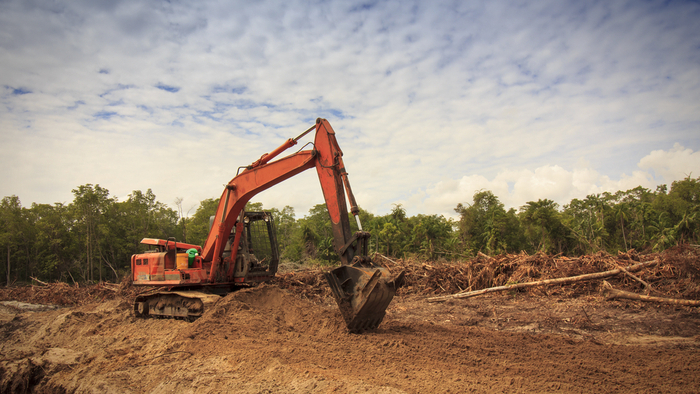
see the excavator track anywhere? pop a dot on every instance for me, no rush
(187, 305)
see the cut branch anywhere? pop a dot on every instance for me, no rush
(384, 257)
(635, 277)
(40, 282)
(116, 275)
(612, 293)
(485, 256)
(111, 287)
(546, 282)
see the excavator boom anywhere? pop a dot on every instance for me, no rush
(362, 289)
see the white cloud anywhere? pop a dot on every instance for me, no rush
(517, 187)
(431, 101)
(676, 163)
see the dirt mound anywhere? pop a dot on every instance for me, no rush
(269, 308)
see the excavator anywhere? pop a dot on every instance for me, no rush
(241, 247)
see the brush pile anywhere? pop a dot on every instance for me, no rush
(677, 275)
(61, 293)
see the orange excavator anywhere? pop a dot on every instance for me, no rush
(241, 247)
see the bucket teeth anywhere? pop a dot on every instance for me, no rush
(363, 294)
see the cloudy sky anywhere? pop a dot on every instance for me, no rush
(431, 101)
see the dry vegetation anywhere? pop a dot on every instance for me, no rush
(677, 274)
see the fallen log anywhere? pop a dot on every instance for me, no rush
(111, 286)
(40, 282)
(546, 282)
(612, 293)
(635, 277)
(487, 257)
(384, 257)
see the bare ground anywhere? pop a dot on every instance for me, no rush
(289, 337)
(267, 339)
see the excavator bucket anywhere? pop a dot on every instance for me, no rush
(363, 294)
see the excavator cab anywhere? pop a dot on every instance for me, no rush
(258, 255)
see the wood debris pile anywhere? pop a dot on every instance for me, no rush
(309, 284)
(676, 275)
(61, 293)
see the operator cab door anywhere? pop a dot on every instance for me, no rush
(258, 254)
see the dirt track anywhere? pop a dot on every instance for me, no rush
(266, 339)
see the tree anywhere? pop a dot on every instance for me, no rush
(182, 218)
(544, 227)
(89, 203)
(126, 223)
(53, 246)
(398, 213)
(317, 234)
(430, 235)
(676, 212)
(198, 226)
(287, 228)
(621, 212)
(684, 208)
(585, 219)
(486, 226)
(389, 233)
(11, 225)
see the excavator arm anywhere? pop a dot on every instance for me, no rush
(362, 289)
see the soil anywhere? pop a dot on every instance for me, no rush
(277, 338)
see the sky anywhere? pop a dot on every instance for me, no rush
(431, 101)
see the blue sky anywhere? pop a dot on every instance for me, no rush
(431, 101)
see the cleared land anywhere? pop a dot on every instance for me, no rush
(288, 336)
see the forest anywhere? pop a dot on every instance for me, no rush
(92, 238)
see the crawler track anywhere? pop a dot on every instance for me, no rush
(188, 305)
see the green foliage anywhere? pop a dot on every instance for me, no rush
(287, 230)
(89, 205)
(93, 237)
(316, 235)
(198, 225)
(90, 239)
(544, 228)
(397, 235)
(140, 216)
(53, 247)
(390, 234)
(429, 236)
(14, 237)
(485, 226)
(674, 216)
